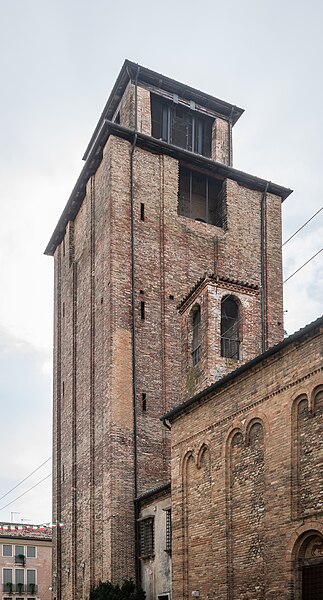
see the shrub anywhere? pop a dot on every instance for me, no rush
(107, 591)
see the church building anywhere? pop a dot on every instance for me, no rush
(168, 277)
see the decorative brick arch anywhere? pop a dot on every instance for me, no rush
(295, 451)
(198, 514)
(188, 456)
(297, 545)
(203, 449)
(260, 417)
(245, 486)
(316, 396)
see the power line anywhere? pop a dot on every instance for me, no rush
(300, 228)
(30, 474)
(26, 492)
(299, 268)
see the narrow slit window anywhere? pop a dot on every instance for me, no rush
(230, 329)
(142, 310)
(144, 402)
(142, 211)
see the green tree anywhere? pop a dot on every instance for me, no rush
(107, 591)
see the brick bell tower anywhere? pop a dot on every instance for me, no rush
(168, 274)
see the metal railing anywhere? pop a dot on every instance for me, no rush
(20, 588)
(230, 347)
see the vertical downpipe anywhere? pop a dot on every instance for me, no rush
(74, 448)
(263, 269)
(133, 307)
(230, 137)
(58, 474)
(92, 380)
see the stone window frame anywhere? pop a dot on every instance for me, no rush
(226, 350)
(195, 326)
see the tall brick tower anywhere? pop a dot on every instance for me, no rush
(168, 274)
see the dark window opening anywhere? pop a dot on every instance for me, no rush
(147, 537)
(142, 310)
(144, 402)
(230, 341)
(168, 545)
(142, 211)
(181, 126)
(196, 340)
(200, 197)
(171, 297)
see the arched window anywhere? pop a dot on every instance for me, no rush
(196, 340)
(230, 328)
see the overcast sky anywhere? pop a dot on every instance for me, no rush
(59, 60)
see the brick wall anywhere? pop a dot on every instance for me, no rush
(257, 496)
(94, 484)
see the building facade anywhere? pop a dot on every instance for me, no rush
(247, 479)
(25, 562)
(168, 275)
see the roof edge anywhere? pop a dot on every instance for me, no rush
(154, 492)
(181, 408)
(128, 72)
(158, 146)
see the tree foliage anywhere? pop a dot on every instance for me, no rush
(107, 591)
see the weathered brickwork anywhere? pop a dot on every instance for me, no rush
(308, 429)
(221, 141)
(108, 448)
(255, 505)
(212, 365)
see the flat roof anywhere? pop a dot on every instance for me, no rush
(194, 400)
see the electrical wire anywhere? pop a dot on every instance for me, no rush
(30, 474)
(26, 492)
(301, 267)
(300, 228)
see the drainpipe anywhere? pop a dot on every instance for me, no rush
(230, 137)
(134, 361)
(166, 424)
(263, 269)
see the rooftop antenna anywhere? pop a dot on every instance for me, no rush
(12, 514)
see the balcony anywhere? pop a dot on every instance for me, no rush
(20, 559)
(20, 588)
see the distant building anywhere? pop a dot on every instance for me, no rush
(25, 562)
(247, 479)
(168, 275)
